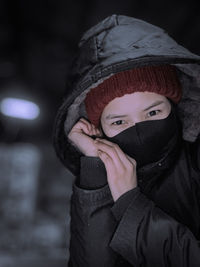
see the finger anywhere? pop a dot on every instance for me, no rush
(80, 127)
(97, 132)
(105, 141)
(89, 126)
(92, 128)
(84, 120)
(110, 150)
(119, 151)
(108, 162)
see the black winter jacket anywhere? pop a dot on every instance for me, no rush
(157, 223)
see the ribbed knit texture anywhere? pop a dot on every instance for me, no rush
(161, 79)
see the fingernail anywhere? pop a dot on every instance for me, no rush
(99, 152)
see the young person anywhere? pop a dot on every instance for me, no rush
(128, 130)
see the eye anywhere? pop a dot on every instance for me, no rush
(153, 113)
(119, 122)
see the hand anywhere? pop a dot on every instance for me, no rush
(80, 136)
(120, 168)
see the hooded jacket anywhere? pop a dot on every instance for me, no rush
(157, 223)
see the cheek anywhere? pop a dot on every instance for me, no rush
(110, 132)
(166, 111)
(168, 108)
(106, 129)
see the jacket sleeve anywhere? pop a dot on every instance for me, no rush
(92, 221)
(146, 236)
(133, 231)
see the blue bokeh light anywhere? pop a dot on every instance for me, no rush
(19, 108)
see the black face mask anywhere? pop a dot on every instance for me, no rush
(148, 141)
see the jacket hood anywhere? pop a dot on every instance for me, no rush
(116, 44)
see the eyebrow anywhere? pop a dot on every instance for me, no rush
(114, 116)
(154, 105)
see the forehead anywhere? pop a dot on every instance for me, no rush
(133, 102)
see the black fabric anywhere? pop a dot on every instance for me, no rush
(92, 173)
(147, 141)
(149, 226)
(159, 224)
(116, 44)
(123, 202)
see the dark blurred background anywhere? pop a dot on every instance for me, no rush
(38, 40)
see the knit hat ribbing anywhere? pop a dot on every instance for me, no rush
(161, 79)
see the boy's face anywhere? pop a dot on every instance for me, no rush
(124, 112)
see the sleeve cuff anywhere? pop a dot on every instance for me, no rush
(92, 173)
(123, 202)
